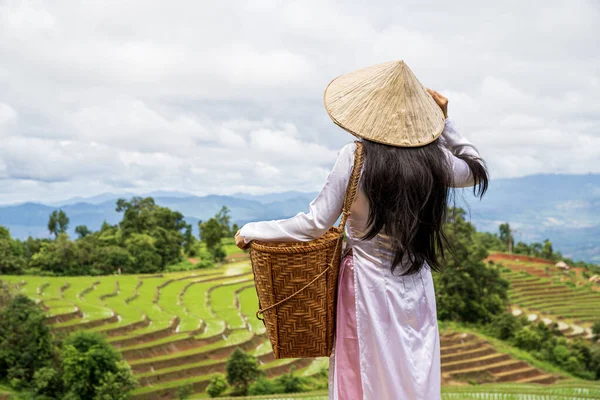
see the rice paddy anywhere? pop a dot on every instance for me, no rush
(177, 329)
(545, 293)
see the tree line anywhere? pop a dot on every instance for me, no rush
(504, 241)
(148, 239)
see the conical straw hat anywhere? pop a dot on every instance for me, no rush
(385, 103)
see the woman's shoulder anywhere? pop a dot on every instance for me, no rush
(345, 158)
(347, 150)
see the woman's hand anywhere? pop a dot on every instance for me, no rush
(240, 242)
(440, 100)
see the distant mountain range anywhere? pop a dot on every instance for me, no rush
(562, 208)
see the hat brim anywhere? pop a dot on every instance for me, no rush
(426, 118)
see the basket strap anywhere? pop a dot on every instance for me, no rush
(348, 200)
(352, 183)
(261, 310)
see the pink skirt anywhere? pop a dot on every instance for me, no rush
(345, 360)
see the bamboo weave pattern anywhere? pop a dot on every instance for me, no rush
(296, 285)
(385, 103)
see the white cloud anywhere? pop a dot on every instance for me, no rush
(220, 97)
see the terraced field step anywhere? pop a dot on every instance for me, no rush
(194, 369)
(199, 383)
(180, 328)
(169, 345)
(466, 357)
(486, 361)
(543, 294)
(243, 339)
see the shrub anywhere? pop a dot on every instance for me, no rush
(561, 354)
(263, 386)
(217, 385)
(219, 253)
(26, 343)
(202, 264)
(528, 339)
(242, 369)
(47, 382)
(585, 274)
(115, 385)
(183, 392)
(596, 330)
(92, 369)
(504, 326)
(291, 383)
(594, 364)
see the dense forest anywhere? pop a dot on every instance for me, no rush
(150, 238)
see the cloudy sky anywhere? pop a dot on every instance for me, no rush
(226, 96)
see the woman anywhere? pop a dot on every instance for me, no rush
(387, 340)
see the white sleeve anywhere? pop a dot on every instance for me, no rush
(457, 145)
(324, 210)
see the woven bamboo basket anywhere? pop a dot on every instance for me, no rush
(296, 285)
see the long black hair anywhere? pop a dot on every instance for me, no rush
(408, 191)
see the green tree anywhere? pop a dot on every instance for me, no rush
(504, 326)
(82, 231)
(143, 250)
(290, 382)
(466, 289)
(105, 259)
(529, 339)
(211, 233)
(223, 219)
(116, 385)
(188, 240)
(143, 217)
(26, 344)
(263, 386)
(594, 364)
(596, 330)
(242, 369)
(59, 257)
(105, 226)
(12, 254)
(185, 391)
(47, 383)
(214, 230)
(137, 215)
(58, 222)
(92, 369)
(522, 248)
(33, 246)
(217, 385)
(547, 251)
(536, 249)
(490, 241)
(506, 235)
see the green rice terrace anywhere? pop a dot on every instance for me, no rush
(178, 329)
(550, 294)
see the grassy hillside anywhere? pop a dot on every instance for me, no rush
(544, 292)
(179, 328)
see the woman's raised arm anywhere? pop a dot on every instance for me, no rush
(458, 150)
